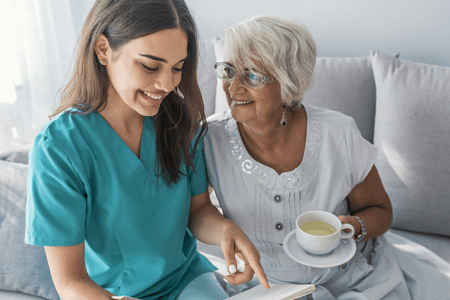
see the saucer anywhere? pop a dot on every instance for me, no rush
(342, 254)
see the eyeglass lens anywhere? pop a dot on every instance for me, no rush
(248, 78)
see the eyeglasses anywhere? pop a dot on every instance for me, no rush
(249, 79)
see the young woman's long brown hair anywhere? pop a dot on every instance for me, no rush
(178, 121)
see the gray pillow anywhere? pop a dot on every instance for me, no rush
(23, 268)
(412, 134)
(18, 155)
(345, 85)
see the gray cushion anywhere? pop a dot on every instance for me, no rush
(439, 244)
(4, 295)
(18, 155)
(205, 74)
(345, 85)
(412, 134)
(23, 268)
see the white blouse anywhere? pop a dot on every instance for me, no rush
(265, 205)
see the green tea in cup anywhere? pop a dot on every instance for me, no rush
(318, 228)
(320, 232)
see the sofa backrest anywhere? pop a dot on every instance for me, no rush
(345, 85)
(23, 267)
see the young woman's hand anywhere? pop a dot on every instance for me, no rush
(209, 226)
(235, 242)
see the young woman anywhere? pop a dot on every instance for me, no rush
(117, 176)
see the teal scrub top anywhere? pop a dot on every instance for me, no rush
(85, 184)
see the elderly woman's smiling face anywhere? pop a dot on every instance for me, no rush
(252, 105)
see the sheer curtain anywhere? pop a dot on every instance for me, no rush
(38, 39)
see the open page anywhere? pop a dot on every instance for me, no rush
(276, 292)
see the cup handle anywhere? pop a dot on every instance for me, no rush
(349, 234)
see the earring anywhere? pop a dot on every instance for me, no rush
(102, 61)
(283, 118)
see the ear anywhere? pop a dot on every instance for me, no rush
(102, 48)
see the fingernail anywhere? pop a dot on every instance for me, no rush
(269, 286)
(225, 280)
(232, 269)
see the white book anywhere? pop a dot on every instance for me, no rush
(277, 292)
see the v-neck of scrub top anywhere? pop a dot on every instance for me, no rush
(139, 166)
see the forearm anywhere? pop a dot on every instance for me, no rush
(376, 219)
(208, 225)
(83, 289)
(371, 203)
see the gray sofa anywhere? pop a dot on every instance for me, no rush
(400, 106)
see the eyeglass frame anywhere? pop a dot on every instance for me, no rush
(264, 78)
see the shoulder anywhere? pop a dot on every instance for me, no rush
(327, 116)
(331, 123)
(219, 118)
(216, 144)
(216, 122)
(65, 131)
(63, 125)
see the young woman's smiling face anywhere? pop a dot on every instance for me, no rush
(145, 70)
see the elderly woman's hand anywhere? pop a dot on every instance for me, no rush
(235, 242)
(352, 221)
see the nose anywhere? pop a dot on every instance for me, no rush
(235, 86)
(165, 81)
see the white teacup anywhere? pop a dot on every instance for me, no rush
(322, 245)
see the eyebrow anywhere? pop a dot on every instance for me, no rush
(159, 58)
(246, 69)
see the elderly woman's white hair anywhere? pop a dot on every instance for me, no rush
(285, 49)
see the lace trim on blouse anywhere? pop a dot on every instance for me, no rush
(267, 176)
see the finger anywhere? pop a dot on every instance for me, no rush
(253, 260)
(229, 255)
(242, 277)
(345, 219)
(240, 256)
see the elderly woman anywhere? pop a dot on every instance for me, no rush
(271, 158)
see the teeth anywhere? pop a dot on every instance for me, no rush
(242, 102)
(152, 96)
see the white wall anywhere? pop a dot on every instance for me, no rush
(418, 29)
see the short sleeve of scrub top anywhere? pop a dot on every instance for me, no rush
(85, 184)
(57, 216)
